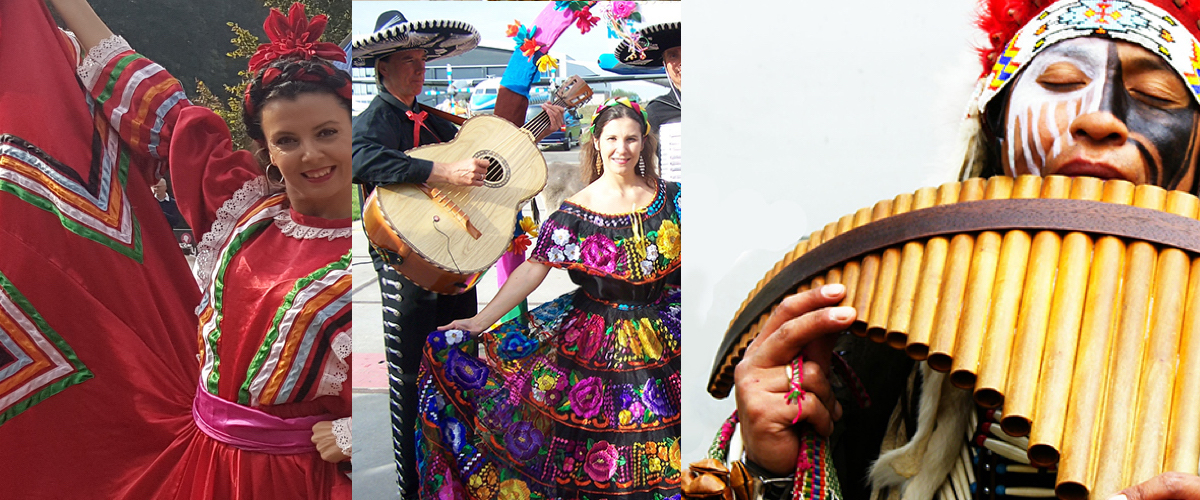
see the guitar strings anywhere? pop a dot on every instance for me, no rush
(449, 252)
(461, 194)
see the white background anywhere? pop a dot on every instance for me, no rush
(798, 113)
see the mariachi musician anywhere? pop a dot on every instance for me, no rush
(663, 49)
(394, 123)
(1122, 108)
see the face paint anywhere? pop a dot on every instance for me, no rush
(1093, 106)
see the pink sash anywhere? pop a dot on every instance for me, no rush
(253, 430)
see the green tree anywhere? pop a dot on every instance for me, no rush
(625, 93)
(245, 43)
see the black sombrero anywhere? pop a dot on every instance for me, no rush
(439, 38)
(654, 40)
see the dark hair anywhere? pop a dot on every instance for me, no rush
(589, 155)
(992, 125)
(294, 77)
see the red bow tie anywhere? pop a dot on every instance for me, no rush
(418, 122)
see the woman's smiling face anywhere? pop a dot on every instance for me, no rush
(308, 139)
(620, 145)
(1103, 108)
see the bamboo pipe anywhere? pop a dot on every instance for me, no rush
(885, 283)
(1114, 467)
(954, 280)
(933, 263)
(900, 315)
(1085, 410)
(1033, 321)
(1062, 336)
(1006, 296)
(868, 274)
(1162, 351)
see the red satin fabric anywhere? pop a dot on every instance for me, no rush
(130, 321)
(194, 459)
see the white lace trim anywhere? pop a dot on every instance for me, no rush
(343, 434)
(337, 370)
(209, 249)
(98, 56)
(299, 231)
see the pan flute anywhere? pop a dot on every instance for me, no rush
(1073, 303)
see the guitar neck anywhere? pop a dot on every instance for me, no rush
(540, 122)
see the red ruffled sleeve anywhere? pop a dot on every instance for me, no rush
(136, 96)
(205, 170)
(150, 112)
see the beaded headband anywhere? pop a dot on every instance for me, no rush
(1020, 29)
(622, 101)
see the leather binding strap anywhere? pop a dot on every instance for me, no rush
(1127, 222)
(452, 118)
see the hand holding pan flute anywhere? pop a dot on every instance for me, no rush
(804, 324)
(1166, 486)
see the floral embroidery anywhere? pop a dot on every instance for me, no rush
(452, 433)
(516, 346)
(601, 461)
(668, 240)
(620, 246)
(561, 236)
(571, 252)
(451, 491)
(600, 252)
(514, 489)
(648, 336)
(599, 361)
(484, 483)
(586, 397)
(546, 382)
(654, 397)
(523, 440)
(466, 371)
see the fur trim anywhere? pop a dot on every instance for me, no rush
(972, 143)
(920, 467)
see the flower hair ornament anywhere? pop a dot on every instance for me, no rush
(622, 101)
(295, 37)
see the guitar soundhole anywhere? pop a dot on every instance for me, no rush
(497, 172)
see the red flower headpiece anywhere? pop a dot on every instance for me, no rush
(294, 37)
(1001, 19)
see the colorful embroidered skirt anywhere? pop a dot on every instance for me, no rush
(583, 404)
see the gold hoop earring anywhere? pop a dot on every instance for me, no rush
(267, 173)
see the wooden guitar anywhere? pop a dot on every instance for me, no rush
(444, 237)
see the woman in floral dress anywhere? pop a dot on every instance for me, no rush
(584, 401)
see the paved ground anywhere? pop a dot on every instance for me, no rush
(374, 471)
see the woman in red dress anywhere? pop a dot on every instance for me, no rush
(272, 263)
